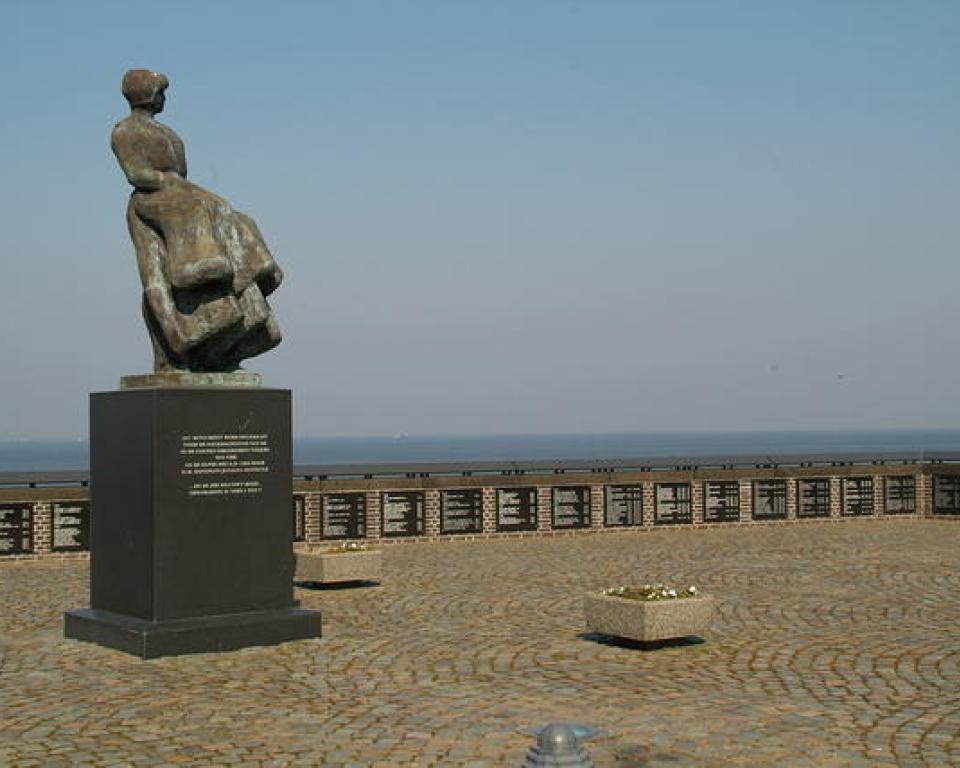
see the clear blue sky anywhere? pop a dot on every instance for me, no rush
(511, 216)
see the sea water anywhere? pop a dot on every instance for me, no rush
(26, 455)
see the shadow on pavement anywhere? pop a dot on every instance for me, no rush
(641, 645)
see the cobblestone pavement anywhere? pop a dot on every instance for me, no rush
(834, 645)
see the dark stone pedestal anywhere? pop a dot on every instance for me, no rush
(191, 533)
(208, 634)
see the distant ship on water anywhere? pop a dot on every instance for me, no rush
(26, 455)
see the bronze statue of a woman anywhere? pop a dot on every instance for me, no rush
(205, 268)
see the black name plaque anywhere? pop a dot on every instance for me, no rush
(344, 516)
(900, 495)
(946, 494)
(299, 517)
(71, 526)
(673, 504)
(857, 496)
(516, 509)
(571, 507)
(624, 505)
(813, 497)
(461, 511)
(769, 499)
(721, 501)
(16, 529)
(402, 513)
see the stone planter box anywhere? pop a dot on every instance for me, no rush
(336, 566)
(647, 621)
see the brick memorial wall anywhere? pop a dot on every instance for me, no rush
(55, 522)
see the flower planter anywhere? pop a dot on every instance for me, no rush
(335, 566)
(647, 621)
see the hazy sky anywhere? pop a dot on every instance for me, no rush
(511, 216)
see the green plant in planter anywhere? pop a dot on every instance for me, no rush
(347, 547)
(652, 592)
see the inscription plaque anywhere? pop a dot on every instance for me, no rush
(16, 529)
(721, 501)
(900, 495)
(571, 507)
(673, 504)
(402, 513)
(623, 505)
(946, 494)
(71, 526)
(344, 516)
(813, 497)
(769, 499)
(857, 496)
(218, 465)
(461, 511)
(516, 509)
(299, 517)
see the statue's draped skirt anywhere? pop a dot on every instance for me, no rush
(204, 239)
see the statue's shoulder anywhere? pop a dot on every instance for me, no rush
(122, 130)
(132, 136)
(131, 126)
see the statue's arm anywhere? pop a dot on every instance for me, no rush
(135, 166)
(181, 154)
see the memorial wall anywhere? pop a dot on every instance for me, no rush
(55, 521)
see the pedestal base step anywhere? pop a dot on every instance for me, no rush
(207, 634)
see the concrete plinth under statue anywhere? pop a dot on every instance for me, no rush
(191, 532)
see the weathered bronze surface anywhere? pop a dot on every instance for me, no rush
(205, 268)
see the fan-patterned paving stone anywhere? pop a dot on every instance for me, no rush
(833, 645)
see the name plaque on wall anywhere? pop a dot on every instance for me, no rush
(402, 513)
(673, 504)
(858, 496)
(721, 501)
(769, 499)
(461, 511)
(946, 494)
(624, 505)
(516, 509)
(571, 507)
(16, 530)
(900, 495)
(299, 517)
(344, 516)
(813, 498)
(71, 526)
